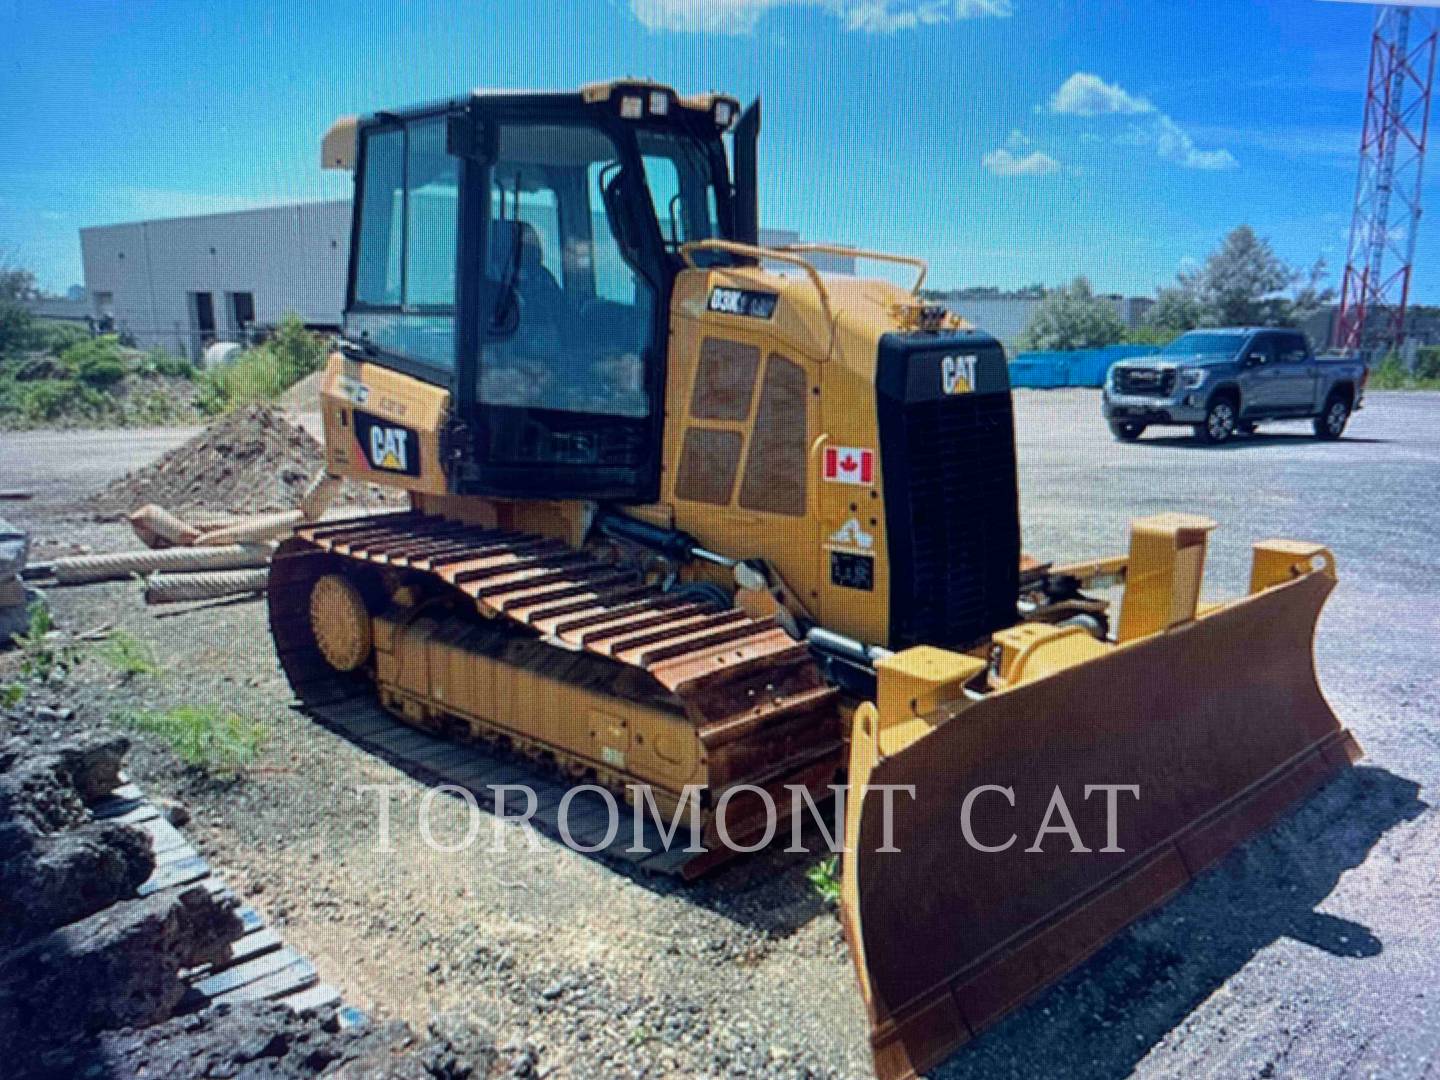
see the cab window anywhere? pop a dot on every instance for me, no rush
(1261, 347)
(1291, 349)
(677, 172)
(571, 317)
(404, 287)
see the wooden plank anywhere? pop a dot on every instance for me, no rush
(242, 974)
(254, 945)
(289, 980)
(163, 835)
(183, 872)
(173, 855)
(321, 996)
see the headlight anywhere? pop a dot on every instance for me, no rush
(1191, 379)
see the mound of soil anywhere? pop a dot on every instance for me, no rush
(304, 396)
(250, 461)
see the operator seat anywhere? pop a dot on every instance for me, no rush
(544, 309)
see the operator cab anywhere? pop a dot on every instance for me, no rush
(519, 250)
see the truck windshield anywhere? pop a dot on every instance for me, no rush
(1203, 345)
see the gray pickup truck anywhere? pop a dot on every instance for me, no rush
(1225, 381)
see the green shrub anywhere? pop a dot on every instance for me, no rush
(160, 362)
(824, 878)
(45, 654)
(96, 361)
(264, 372)
(56, 337)
(54, 399)
(1427, 363)
(205, 736)
(297, 351)
(129, 656)
(1149, 335)
(1391, 373)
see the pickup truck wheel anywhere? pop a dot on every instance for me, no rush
(1219, 423)
(1126, 430)
(1330, 424)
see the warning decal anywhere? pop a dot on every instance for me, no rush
(849, 465)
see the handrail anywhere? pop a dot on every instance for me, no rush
(920, 265)
(776, 254)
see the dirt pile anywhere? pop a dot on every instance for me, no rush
(250, 461)
(304, 396)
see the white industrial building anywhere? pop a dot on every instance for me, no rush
(180, 284)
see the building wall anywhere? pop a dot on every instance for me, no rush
(1006, 316)
(144, 275)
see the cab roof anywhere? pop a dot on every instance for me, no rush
(338, 145)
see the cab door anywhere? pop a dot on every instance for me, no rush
(573, 287)
(1294, 380)
(1259, 388)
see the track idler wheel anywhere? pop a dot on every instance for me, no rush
(340, 622)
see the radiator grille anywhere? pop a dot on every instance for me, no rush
(1145, 381)
(955, 575)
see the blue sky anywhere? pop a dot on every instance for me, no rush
(1007, 141)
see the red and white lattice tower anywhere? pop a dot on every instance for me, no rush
(1376, 286)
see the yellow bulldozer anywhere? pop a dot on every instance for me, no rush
(688, 513)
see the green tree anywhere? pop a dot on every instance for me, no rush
(17, 286)
(1243, 283)
(1176, 310)
(1073, 317)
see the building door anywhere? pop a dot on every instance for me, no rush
(202, 306)
(242, 312)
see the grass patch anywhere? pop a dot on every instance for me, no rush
(1392, 374)
(824, 878)
(44, 654)
(93, 382)
(205, 736)
(129, 656)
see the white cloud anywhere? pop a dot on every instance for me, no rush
(701, 16)
(868, 16)
(1005, 162)
(1173, 144)
(1017, 140)
(1083, 94)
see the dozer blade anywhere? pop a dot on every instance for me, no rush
(1219, 721)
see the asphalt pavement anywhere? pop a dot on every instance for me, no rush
(1315, 950)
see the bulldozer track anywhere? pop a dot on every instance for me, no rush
(733, 676)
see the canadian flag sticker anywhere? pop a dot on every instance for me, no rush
(849, 465)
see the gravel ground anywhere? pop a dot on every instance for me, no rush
(1309, 953)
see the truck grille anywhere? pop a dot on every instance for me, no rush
(1145, 382)
(951, 512)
